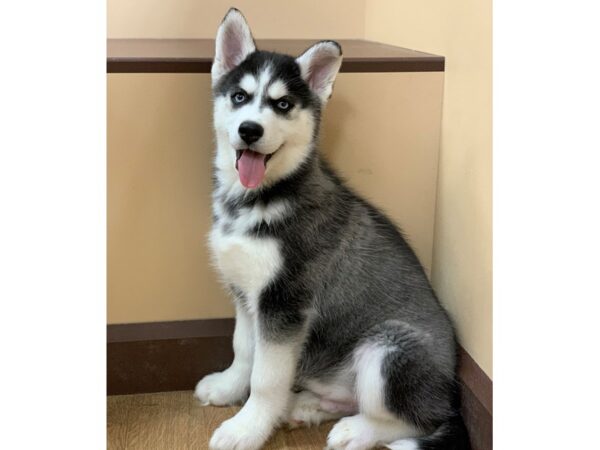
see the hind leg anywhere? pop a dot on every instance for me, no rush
(362, 432)
(375, 424)
(309, 409)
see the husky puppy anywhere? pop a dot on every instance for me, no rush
(335, 317)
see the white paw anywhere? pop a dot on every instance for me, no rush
(222, 388)
(404, 444)
(351, 433)
(307, 411)
(238, 434)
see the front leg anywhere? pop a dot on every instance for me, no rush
(231, 386)
(270, 392)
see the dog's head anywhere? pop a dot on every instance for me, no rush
(267, 105)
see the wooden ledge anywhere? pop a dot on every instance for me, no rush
(195, 55)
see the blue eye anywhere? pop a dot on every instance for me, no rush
(283, 105)
(239, 97)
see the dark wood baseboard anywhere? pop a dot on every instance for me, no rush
(173, 356)
(166, 356)
(477, 401)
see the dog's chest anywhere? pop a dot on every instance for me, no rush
(244, 260)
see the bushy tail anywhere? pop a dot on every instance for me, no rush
(451, 435)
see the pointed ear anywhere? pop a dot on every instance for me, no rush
(233, 43)
(319, 66)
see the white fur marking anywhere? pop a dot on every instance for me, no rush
(231, 386)
(404, 444)
(369, 382)
(375, 425)
(272, 380)
(306, 411)
(249, 83)
(277, 89)
(247, 262)
(361, 433)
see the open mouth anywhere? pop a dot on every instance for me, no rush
(251, 167)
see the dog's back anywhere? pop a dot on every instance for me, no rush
(365, 274)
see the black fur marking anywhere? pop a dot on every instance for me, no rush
(283, 67)
(232, 206)
(272, 103)
(450, 435)
(415, 389)
(349, 277)
(226, 228)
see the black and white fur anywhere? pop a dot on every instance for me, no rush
(335, 317)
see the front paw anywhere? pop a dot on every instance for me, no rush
(222, 388)
(238, 434)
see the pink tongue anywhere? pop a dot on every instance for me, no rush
(251, 168)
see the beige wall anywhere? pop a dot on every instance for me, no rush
(461, 30)
(159, 147)
(159, 167)
(319, 19)
(162, 274)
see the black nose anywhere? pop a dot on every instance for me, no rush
(250, 132)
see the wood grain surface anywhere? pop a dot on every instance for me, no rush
(176, 420)
(195, 55)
